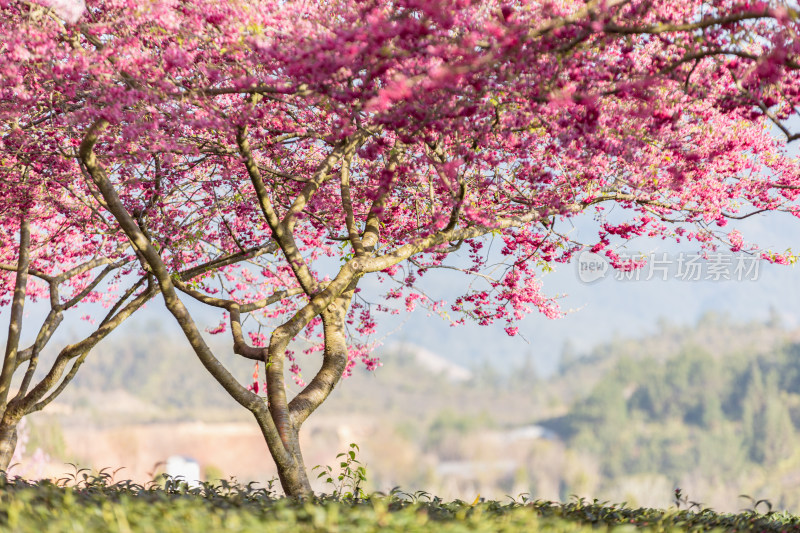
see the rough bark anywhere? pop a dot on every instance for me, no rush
(8, 434)
(288, 458)
(292, 470)
(8, 443)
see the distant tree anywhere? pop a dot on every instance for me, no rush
(766, 421)
(294, 148)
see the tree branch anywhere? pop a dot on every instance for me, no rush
(347, 205)
(372, 230)
(49, 327)
(124, 297)
(50, 324)
(280, 233)
(321, 175)
(31, 271)
(688, 26)
(17, 306)
(333, 363)
(240, 346)
(33, 400)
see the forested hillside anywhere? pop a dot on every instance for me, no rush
(715, 408)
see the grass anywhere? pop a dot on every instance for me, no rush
(84, 503)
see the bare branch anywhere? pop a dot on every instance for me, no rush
(133, 288)
(240, 346)
(91, 286)
(250, 253)
(17, 306)
(33, 400)
(347, 205)
(50, 324)
(49, 327)
(31, 271)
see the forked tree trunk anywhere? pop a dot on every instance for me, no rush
(286, 452)
(293, 475)
(288, 459)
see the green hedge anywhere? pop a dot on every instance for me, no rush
(94, 503)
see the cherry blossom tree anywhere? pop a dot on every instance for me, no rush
(262, 158)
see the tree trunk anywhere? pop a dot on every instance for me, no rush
(287, 457)
(278, 430)
(293, 476)
(8, 443)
